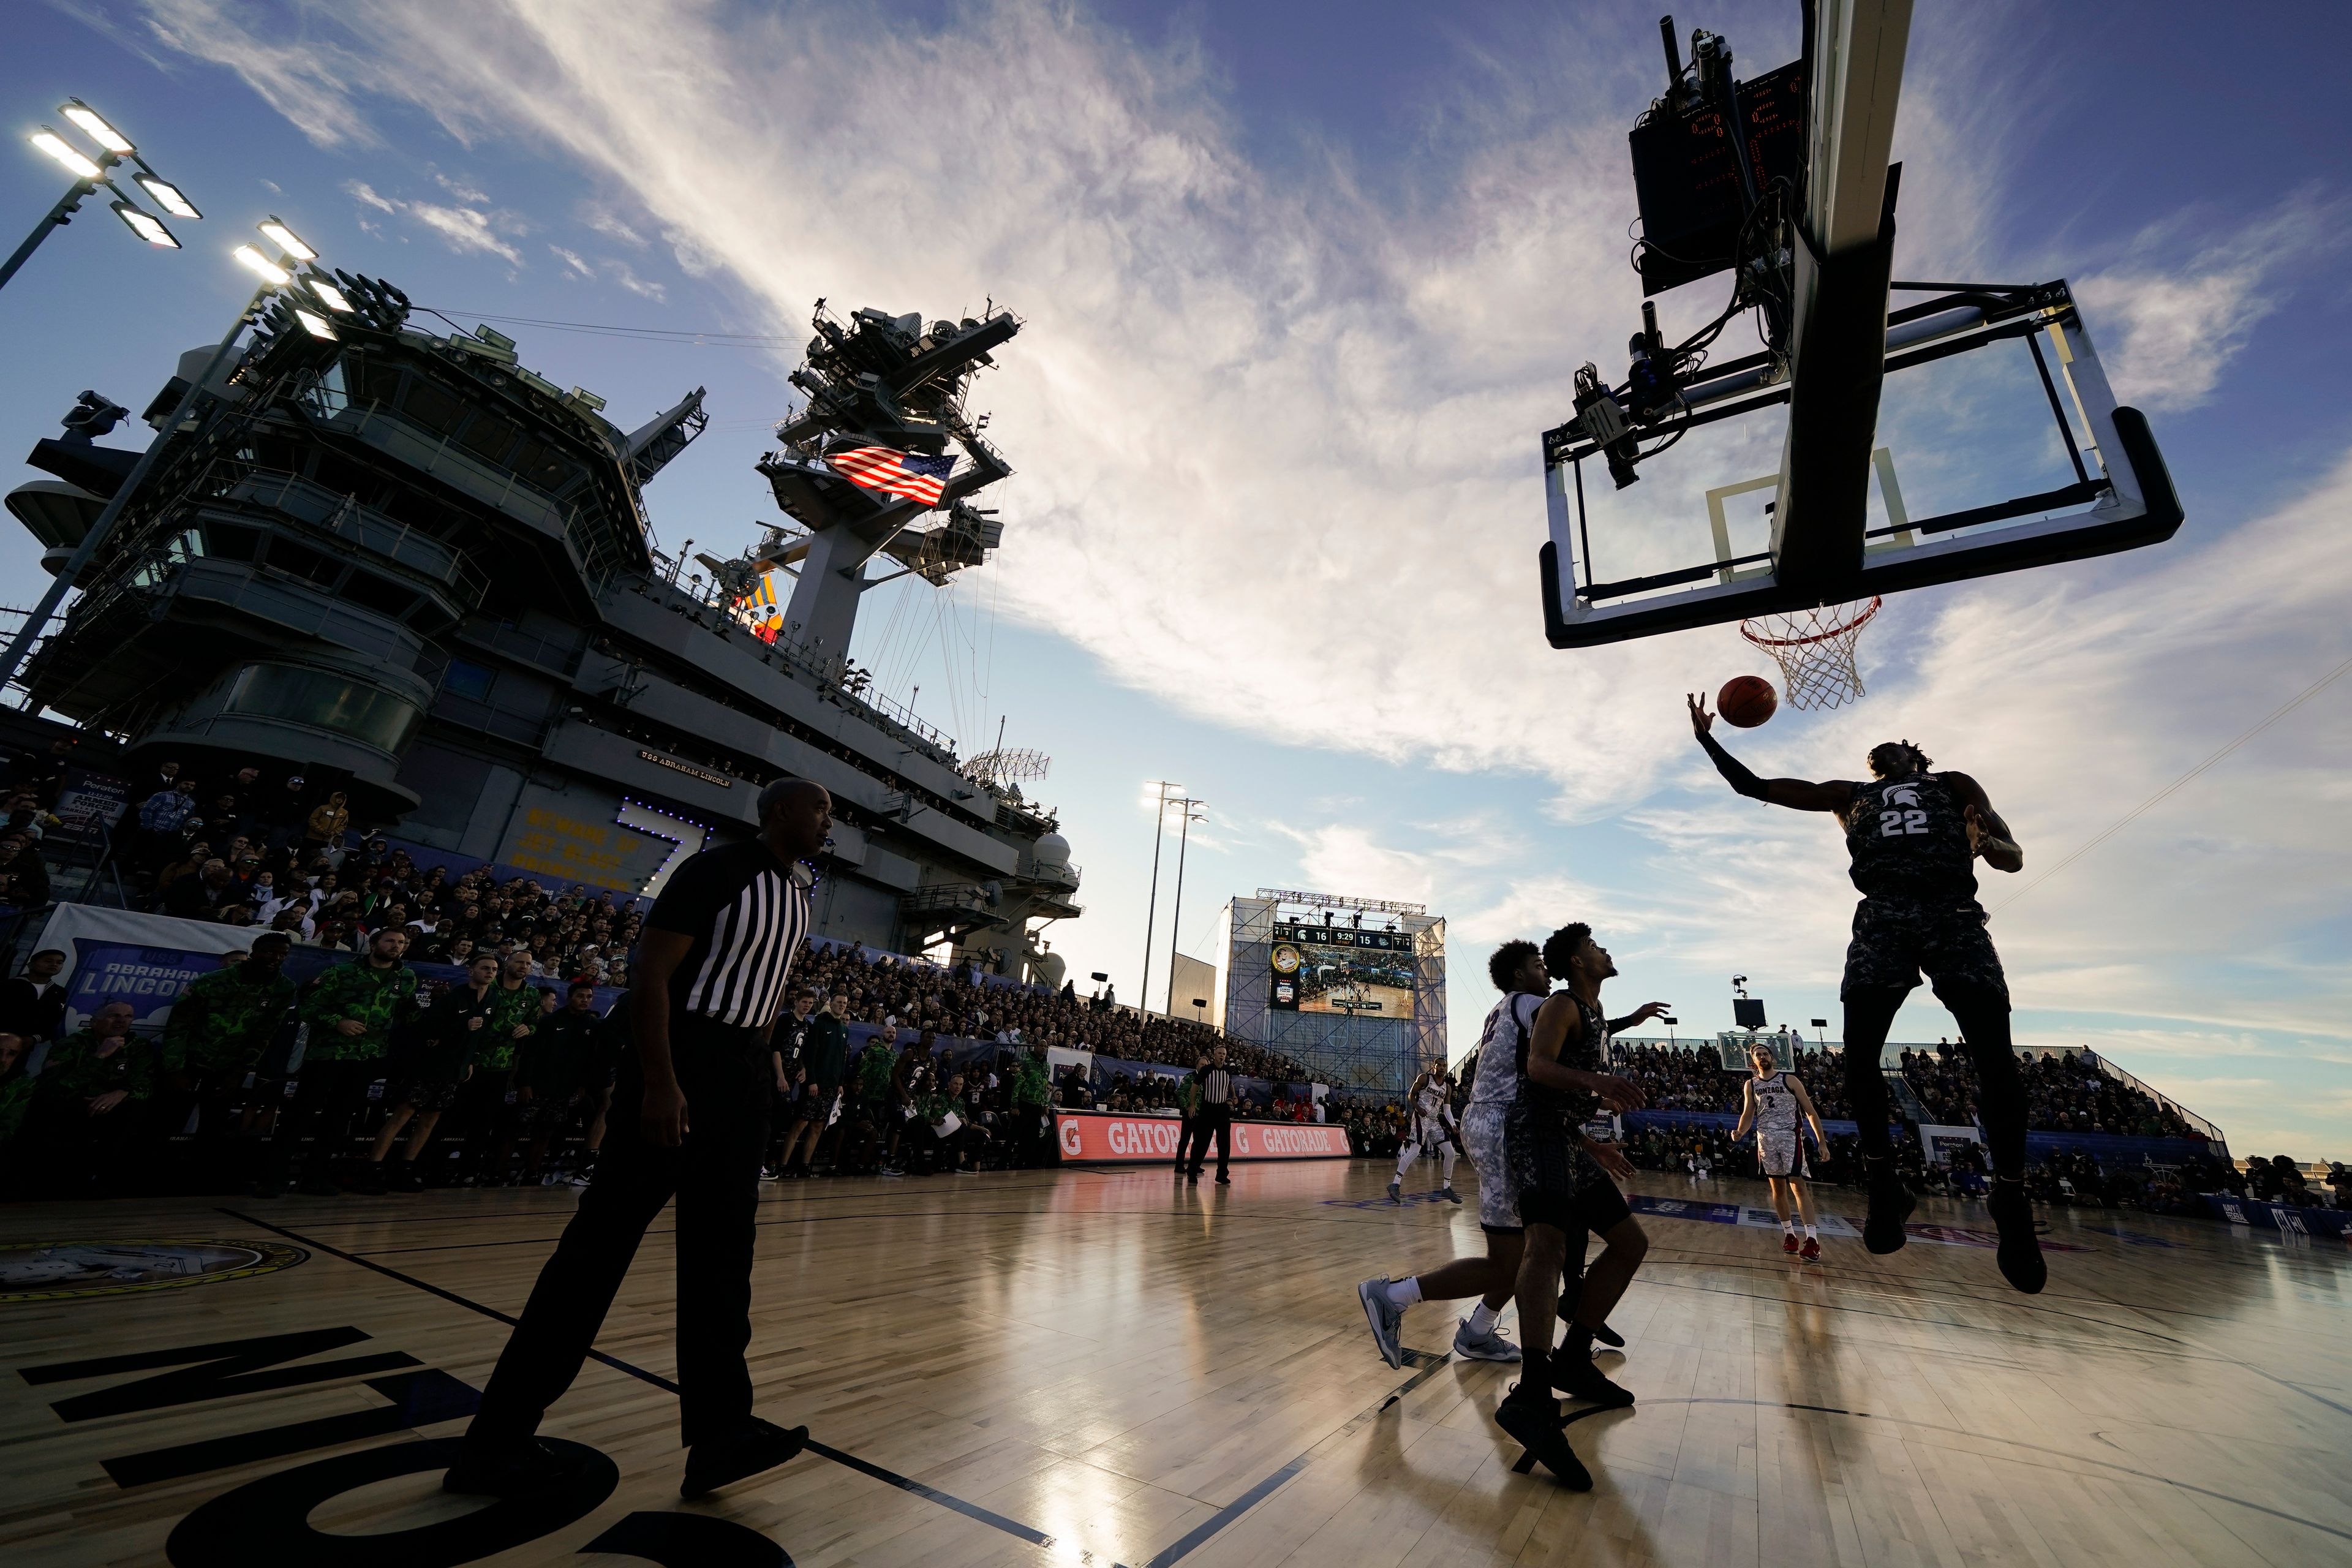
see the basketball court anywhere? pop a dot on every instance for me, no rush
(1107, 1368)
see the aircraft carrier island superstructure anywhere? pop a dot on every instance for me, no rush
(405, 566)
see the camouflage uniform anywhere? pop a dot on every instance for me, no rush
(376, 998)
(75, 1070)
(1560, 1184)
(1909, 843)
(223, 1026)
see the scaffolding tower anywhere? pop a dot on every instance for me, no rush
(1354, 1055)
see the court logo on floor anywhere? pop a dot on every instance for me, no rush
(61, 1270)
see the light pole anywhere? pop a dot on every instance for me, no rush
(1151, 910)
(276, 275)
(90, 174)
(1183, 805)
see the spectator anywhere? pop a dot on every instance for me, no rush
(87, 1103)
(453, 1028)
(204, 896)
(219, 1033)
(350, 1011)
(33, 1003)
(323, 829)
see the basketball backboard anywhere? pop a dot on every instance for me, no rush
(1786, 490)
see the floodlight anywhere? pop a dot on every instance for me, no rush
(94, 126)
(278, 235)
(330, 296)
(317, 326)
(167, 195)
(146, 226)
(64, 152)
(270, 271)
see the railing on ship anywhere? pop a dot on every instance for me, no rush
(714, 611)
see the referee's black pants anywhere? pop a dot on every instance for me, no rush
(727, 1076)
(1217, 1121)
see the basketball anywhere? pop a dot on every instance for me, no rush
(1746, 701)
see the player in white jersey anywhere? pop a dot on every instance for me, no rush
(1516, 969)
(1774, 1103)
(1428, 1128)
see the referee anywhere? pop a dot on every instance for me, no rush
(1215, 1117)
(689, 1119)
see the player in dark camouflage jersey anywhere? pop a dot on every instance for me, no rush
(1914, 837)
(1565, 1190)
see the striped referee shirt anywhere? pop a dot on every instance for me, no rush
(746, 914)
(1217, 1087)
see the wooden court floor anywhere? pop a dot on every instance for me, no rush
(1108, 1368)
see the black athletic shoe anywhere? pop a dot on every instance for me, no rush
(759, 1446)
(510, 1472)
(1580, 1379)
(407, 1179)
(1604, 1333)
(1891, 1203)
(2021, 1251)
(371, 1180)
(1535, 1423)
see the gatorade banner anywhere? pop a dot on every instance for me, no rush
(1089, 1137)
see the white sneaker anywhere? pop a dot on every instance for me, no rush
(1489, 1346)
(1385, 1317)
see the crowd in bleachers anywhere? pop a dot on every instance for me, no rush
(2065, 1092)
(273, 853)
(1691, 1078)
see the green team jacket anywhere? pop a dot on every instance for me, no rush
(1030, 1086)
(1188, 1094)
(377, 998)
(76, 1068)
(496, 1046)
(224, 1023)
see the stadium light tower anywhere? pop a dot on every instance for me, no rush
(92, 173)
(279, 275)
(1184, 805)
(1167, 791)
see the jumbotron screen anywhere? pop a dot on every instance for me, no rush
(1339, 969)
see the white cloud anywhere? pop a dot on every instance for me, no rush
(574, 260)
(645, 287)
(465, 228)
(463, 190)
(2182, 306)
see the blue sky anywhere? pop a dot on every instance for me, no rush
(1302, 284)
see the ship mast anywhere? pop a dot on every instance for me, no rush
(889, 382)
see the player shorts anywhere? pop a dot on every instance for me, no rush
(1499, 1196)
(1559, 1182)
(427, 1095)
(1782, 1157)
(551, 1115)
(1431, 1133)
(1894, 938)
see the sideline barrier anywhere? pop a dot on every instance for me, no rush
(2337, 1223)
(1093, 1137)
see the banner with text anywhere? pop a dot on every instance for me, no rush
(1093, 1136)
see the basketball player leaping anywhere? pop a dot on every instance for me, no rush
(1772, 1103)
(1914, 837)
(1432, 1129)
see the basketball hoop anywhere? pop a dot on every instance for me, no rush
(1815, 649)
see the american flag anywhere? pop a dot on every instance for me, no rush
(909, 475)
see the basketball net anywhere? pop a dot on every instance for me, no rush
(1815, 649)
